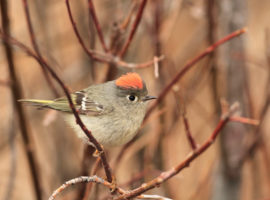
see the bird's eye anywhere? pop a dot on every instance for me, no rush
(132, 97)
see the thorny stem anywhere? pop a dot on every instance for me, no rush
(133, 29)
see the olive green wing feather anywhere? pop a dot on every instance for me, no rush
(82, 103)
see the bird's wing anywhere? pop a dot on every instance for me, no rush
(83, 103)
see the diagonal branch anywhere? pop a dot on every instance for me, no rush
(97, 25)
(104, 57)
(43, 63)
(188, 133)
(17, 94)
(179, 75)
(134, 28)
(35, 46)
(81, 179)
(190, 64)
(192, 156)
(90, 53)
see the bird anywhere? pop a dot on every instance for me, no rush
(113, 111)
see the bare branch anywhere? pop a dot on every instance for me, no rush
(134, 28)
(191, 63)
(35, 46)
(179, 75)
(188, 133)
(81, 179)
(192, 156)
(104, 57)
(43, 63)
(97, 25)
(89, 185)
(17, 94)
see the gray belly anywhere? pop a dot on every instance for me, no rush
(108, 132)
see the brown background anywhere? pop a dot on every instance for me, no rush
(163, 144)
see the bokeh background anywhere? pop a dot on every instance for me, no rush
(236, 166)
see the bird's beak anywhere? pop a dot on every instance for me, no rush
(147, 98)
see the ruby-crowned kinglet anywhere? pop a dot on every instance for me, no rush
(112, 111)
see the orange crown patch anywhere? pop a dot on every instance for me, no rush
(130, 80)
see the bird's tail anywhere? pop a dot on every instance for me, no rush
(38, 103)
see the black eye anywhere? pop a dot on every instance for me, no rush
(131, 97)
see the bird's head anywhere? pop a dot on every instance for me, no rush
(132, 89)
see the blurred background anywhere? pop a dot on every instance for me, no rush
(236, 166)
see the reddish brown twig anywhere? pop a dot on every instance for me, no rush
(98, 180)
(35, 46)
(90, 53)
(244, 120)
(89, 185)
(180, 74)
(81, 179)
(191, 63)
(141, 65)
(133, 29)
(43, 63)
(104, 57)
(125, 22)
(175, 170)
(17, 94)
(97, 25)
(188, 133)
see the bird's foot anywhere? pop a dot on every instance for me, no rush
(97, 153)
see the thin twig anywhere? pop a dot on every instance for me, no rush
(90, 53)
(43, 63)
(17, 94)
(98, 180)
(13, 158)
(90, 185)
(244, 120)
(87, 162)
(133, 29)
(97, 25)
(192, 156)
(125, 22)
(191, 63)
(103, 57)
(179, 75)
(188, 133)
(141, 65)
(35, 45)
(81, 179)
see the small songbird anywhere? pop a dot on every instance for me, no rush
(112, 111)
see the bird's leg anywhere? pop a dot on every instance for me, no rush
(113, 185)
(97, 152)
